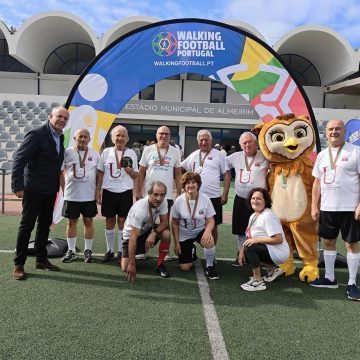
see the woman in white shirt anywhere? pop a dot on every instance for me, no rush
(266, 245)
(193, 221)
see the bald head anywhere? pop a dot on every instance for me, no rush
(335, 133)
(163, 136)
(82, 139)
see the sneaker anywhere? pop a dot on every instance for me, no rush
(353, 292)
(254, 285)
(161, 270)
(141, 256)
(69, 257)
(108, 256)
(273, 274)
(211, 273)
(323, 282)
(46, 265)
(119, 257)
(168, 258)
(236, 262)
(88, 258)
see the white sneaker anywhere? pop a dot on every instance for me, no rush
(142, 256)
(273, 274)
(254, 285)
(168, 258)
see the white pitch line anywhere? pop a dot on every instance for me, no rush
(217, 343)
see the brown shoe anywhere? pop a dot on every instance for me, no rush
(19, 273)
(46, 265)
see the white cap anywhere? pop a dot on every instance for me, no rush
(217, 145)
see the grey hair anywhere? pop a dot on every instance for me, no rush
(119, 127)
(247, 133)
(203, 132)
(156, 183)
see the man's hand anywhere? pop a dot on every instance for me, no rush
(98, 197)
(224, 199)
(357, 213)
(177, 249)
(207, 240)
(19, 194)
(150, 241)
(315, 213)
(131, 272)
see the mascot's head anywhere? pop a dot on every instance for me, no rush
(286, 138)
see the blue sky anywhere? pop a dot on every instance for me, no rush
(273, 18)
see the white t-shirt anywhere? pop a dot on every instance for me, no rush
(267, 224)
(254, 176)
(80, 183)
(191, 224)
(214, 165)
(116, 180)
(340, 188)
(139, 217)
(155, 171)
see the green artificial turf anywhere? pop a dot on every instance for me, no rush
(90, 311)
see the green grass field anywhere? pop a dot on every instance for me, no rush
(90, 311)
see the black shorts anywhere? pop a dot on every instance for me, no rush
(218, 209)
(73, 209)
(240, 216)
(331, 222)
(140, 244)
(116, 203)
(186, 247)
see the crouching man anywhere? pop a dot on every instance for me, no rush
(146, 225)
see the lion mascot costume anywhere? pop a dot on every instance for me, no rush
(286, 142)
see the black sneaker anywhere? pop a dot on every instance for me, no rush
(88, 258)
(108, 256)
(211, 273)
(161, 270)
(69, 257)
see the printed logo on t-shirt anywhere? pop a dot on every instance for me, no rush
(201, 212)
(90, 158)
(345, 158)
(257, 164)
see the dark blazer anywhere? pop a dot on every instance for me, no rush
(37, 164)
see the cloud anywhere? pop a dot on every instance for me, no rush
(272, 18)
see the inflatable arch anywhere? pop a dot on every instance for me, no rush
(154, 52)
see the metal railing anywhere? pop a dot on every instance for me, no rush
(3, 173)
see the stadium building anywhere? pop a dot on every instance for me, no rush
(41, 61)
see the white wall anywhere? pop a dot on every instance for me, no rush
(315, 95)
(168, 90)
(197, 91)
(18, 83)
(339, 101)
(55, 85)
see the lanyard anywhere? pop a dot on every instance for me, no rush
(82, 161)
(192, 215)
(151, 217)
(331, 159)
(201, 161)
(247, 165)
(118, 162)
(248, 230)
(162, 157)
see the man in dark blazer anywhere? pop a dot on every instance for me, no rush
(35, 178)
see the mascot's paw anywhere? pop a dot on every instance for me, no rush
(288, 267)
(309, 273)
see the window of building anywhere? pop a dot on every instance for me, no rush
(147, 93)
(302, 69)
(9, 63)
(218, 92)
(69, 59)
